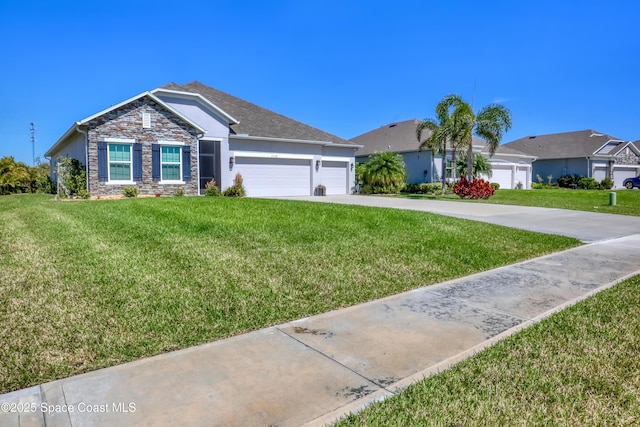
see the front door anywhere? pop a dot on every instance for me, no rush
(208, 168)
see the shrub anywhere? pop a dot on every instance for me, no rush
(130, 191)
(83, 194)
(587, 184)
(211, 189)
(179, 192)
(495, 185)
(606, 184)
(424, 188)
(476, 189)
(384, 173)
(234, 191)
(569, 181)
(237, 189)
(71, 177)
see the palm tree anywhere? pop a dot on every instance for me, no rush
(385, 172)
(451, 126)
(481, 166)
(489, 124)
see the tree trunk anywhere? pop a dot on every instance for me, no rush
(444, 172)
(470, 162)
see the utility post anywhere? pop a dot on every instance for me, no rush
(33, 142)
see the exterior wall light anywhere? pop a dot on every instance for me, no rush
(351, 166)
(317, 165)
(232, 161)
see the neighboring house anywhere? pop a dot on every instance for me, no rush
(510, 167)
(184, 136)
(586, 153)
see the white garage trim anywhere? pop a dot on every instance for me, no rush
(264, 155)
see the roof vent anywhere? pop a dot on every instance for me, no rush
(393, 125)
(146, 120)
(532, 137)
(596, 134)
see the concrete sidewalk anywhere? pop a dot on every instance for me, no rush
(314, 370)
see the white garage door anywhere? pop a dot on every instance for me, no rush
(599, 173)
(521, 176)
(502, 176)
(619, 175)
(274, 177)
(334, 176)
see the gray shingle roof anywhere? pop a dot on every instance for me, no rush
(562, 145)
(255, 120)
(401, 137)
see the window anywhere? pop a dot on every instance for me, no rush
(170, 161)
(449, 168)
(120, 162)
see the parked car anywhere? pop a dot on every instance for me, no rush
(632, 182)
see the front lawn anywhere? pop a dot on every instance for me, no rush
(89, 284)
(627, 203)
(577, 367)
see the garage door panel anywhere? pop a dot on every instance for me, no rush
(599, 173)
(334, 177)
(521, 176)
(619, 175)
(275, 176)
(502, 176)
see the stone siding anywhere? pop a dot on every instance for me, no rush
(627, 157)
(126, 122)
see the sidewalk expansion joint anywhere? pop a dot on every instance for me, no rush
(382, 387)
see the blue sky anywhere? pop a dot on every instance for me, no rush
(345, 67)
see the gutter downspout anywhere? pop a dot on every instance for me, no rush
(86, 154)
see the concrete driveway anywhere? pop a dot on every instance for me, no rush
(585, 226)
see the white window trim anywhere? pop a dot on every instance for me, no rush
(121, 141)
(172, 144)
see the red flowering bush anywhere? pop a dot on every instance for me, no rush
(476, 189)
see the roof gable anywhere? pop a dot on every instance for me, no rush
(254, 120)
(401, 137)
(74, 127)
(576, 144)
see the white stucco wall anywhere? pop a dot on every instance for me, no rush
(74, 148)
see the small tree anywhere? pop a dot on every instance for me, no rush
(384, 173)
(237, 189)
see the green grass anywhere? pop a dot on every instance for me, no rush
(89, 284)
(577, 367)
(627, 203)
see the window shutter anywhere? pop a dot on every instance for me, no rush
(137, 162)
(186, 163)
(103, 164)
(155, 162)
